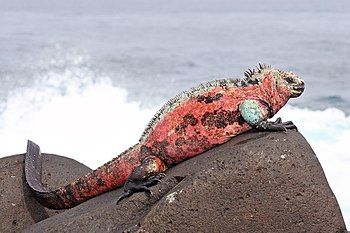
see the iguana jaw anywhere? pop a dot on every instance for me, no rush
(297, 90)
(296, 87)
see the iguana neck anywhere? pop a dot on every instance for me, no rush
(276, 96)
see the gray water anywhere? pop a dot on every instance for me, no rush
(154, 49)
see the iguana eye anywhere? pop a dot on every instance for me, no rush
(253, 81)
(289, 80)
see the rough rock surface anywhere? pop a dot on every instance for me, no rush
(18, 209)
(257, 182)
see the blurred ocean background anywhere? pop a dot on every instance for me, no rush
(82, 78)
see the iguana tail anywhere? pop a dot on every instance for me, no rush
(107, 177)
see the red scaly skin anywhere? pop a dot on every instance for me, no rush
(200, 122)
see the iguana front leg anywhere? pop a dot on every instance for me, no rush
(144, 176)
(277, 125)
(256, 113)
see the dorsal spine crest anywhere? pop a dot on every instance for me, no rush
(185, 95)
(252, 75)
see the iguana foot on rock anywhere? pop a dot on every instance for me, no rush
(135, 186)
(276, 125)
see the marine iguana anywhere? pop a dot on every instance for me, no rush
(187, 125)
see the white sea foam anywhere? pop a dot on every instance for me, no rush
(92, 122)
(67, 113)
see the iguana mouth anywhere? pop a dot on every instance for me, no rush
(297, 90)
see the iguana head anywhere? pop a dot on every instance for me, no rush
(290, 81)
(285, 82)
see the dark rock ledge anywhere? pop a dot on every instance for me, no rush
(257, 182)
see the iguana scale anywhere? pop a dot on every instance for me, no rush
(187, 125)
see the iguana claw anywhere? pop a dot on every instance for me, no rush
(132, 186)
(276, 125)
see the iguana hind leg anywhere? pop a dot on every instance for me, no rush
(144, 176)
